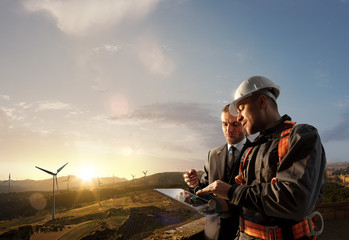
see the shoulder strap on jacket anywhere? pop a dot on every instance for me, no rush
(284, 136)
(284, 143)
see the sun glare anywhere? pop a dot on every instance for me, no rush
(86, 173)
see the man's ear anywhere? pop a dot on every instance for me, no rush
(263, 101)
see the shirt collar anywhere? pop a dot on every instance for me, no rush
(239, 145)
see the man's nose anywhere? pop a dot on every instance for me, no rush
(240, 117)
(230, 127)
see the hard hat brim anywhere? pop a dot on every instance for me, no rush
(232, 106)
(265, 91)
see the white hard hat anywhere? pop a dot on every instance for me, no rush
(251, 86)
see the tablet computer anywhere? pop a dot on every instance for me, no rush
(189, 199)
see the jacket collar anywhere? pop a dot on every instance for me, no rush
(273, 132)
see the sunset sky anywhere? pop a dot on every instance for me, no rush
(117, 87)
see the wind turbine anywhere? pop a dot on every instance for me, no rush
(54, 176)
(67, 180)
(99, 190)
(133, 178)
(145, 172)
(9, 182)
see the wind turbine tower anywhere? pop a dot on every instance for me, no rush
(9, 182)
(54, 176)
(99, 190)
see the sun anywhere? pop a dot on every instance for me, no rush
(86, 173)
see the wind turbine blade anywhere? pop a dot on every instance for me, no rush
(59, 169)
(45, 171)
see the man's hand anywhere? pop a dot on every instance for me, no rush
(223, 203)
(218, 188)
(191, 178)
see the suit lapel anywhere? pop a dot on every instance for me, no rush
(221, 161)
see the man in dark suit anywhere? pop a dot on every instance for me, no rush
(222, 164)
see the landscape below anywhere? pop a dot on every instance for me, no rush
(120, 210)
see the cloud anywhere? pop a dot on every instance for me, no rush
(4, 119)
(108, 48)
(90, 18)
(80, 17)
(172, 112)
(10, 114)
(5, 97)
(195, 117)
(24, 105)
(52, 105)
(24, 113)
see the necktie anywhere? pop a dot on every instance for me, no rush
(231, 157)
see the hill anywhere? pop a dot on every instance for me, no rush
(337, 165)
(155, 180)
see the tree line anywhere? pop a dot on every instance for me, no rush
(341, 171)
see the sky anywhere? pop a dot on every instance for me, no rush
(117, 87)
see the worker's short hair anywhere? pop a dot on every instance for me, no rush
(226, 108)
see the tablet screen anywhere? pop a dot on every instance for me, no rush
(185, 197)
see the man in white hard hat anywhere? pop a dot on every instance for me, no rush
(222, 226)
(281, 173)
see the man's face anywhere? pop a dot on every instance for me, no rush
(232, 129)
(249, 114)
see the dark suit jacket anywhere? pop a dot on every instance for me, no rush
(216, 164)
(215, 169)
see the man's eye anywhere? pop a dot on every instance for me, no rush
(240, 108)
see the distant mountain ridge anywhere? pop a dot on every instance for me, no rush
(46, 184)
(155, 180)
